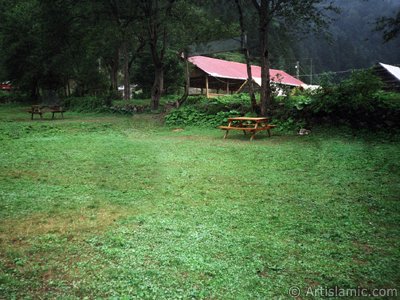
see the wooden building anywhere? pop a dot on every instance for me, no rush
(390, 75)
(212, 77)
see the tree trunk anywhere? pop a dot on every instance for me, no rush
(127, 89)
(253, 100)
(114, 71)
(247, 57)
(265, 94)
(34, 92)
(158, 86)
(187, 84)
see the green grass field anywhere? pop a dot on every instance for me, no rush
(103, 206)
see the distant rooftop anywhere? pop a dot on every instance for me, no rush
(395, 71)
(233, 70)
(390, 75)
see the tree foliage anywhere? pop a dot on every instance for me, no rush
(91, 47)
(390, 26)
(297, 15)
(86, 47)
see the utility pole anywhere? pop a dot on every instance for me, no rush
(311, 71)
(298, 70)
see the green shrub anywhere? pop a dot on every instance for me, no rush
(292, 112)
(87, 104)
(358, 102)
(190, 116)
(191, 100)
(200, 111)
(130, 108)
(349, 96)
(288, 125)
(13, 97)
(239, 102)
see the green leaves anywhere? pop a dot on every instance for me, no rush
(189, 116)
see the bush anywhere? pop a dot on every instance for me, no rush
(13, 97)
(350, 95)
(129, 108)
(358, 102)
(200, 111)
(190, 116)
(87, 104)
(239, 102)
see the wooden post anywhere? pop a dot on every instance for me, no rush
(227, 88)
(207, 91)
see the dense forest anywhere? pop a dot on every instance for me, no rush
(85, 47)
(351, 41)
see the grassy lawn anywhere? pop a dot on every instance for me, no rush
(109, 206)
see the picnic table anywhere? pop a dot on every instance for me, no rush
(40, 110)
(248, 124)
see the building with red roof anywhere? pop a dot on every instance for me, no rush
(221, 75)
(5, 86)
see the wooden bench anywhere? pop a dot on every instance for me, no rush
(40, 110)
(248, 124)
(55, 109)
(36, 110)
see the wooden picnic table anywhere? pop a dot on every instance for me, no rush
(248, 124)
(41, 109)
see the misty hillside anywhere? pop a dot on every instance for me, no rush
(354, 43)
(350, 42)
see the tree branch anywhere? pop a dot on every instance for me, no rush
(256, 4)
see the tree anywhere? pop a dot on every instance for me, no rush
(157, 13)
(19, 40)
(390, 27)
(295, 15)
(246, 55)
(173, 25)
(43, 46)
(124, 18)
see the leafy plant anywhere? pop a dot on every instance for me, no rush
(200, 111)
(86, 104)
(189, 116)
(12, 97)
(358, 101)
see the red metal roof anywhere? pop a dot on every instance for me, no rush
(234, 70)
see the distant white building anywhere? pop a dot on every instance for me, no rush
(390, 75)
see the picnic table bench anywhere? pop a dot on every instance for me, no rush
(248, 124)
(36, 110)
(55, 109)
(40, 110)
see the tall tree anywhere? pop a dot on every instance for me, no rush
(19, 42)
(169, 26)
(125, 17)
(294, 14)
(253, 99)
(158, 16)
